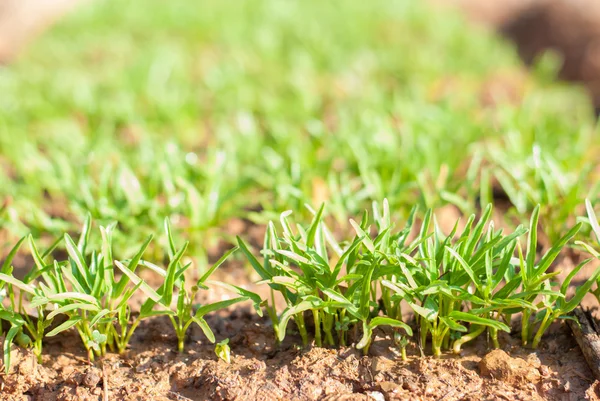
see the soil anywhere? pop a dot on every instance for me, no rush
(261, 370)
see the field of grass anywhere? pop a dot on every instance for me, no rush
(128, 115)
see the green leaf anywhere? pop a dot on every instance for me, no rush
(465, 266)
(366, 338)
(338, 266)
(146, 289)
(65, 326)
(295, 257)
(77, 258)
(168, 286)
(470, 318)
(567, 281)
(580, 293)
(17, 283)
(215, 266)
(553, 252)
(98, 316)
(532, 242)
(336, 296)
(428, 312)
(131, 266)
(11, 255)
(223, 351)
(169, 234)
(453, 325)
(68, 296)
(365, 237)
(107, 256)
(253, 261)
(256, 299)
(8, 340)
(365, 293)
(204, 309)
(11, 317)
(205, 328)
(70, 307)
(312, 230)
(386, 321)
(85, 234)
(308, 303)
(41, 266)
(593, 219)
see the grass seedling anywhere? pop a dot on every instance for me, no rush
(182, 314)
(95, 301)
(16, 313)
(313, 272)
(536, 282)
(174, 287)
(223, 351)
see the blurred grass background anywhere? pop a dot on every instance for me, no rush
(208, 112)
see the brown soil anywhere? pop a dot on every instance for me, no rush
(261, 370)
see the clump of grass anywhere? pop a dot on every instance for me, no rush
(312, 272)
(95, 300)
(459, 285)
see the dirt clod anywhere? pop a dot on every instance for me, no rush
(501, 366)
(92, 377)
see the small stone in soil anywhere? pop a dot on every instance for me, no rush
(92, 377)
(501, 366)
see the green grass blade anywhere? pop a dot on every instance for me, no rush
(532, 243)
(17, 283)
(71, 307)
(553, 252)
(465, 266)
(216, 306)
(470, 318)
(8, 340)
(215, 266)
(84, 238)
(132, 266)
(593, 219)
(386, 321)
(205, 328)
(64, 326)
(79, 262)
(146, 289)
(11, 255)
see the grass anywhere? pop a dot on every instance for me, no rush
(469, 278)
(457, 286)
(171, 113)
(190, 112)
(84, 289)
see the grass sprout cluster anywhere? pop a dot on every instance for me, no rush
(474, 280)
(91, 291)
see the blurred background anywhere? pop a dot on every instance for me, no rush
(570, 27)
(220, 115)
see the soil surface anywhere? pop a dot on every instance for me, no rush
(261, 370)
